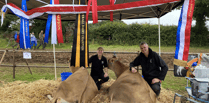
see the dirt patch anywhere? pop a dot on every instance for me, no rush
(62, 57)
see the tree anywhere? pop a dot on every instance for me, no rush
(37, 26)
(7, 24)
(201, 12)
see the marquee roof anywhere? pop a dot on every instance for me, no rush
(155, 11)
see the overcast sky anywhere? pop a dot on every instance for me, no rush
(170, 18)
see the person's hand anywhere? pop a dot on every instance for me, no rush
(133, 70)
(155, 80)
(105, 75)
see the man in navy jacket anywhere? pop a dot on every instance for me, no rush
(151, 63)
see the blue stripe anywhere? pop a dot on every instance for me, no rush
(24, 25)
(21, 34)
(27, 34)
(178, 35)
(48, 24)
(5, 10)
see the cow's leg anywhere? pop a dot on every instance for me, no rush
(156, 88)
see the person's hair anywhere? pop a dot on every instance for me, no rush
(100, 48)
(142, 43)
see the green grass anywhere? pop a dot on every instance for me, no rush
(176, 84)
(93, 47)
(23, 74)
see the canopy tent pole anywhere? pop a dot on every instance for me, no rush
(159, 34)
(55, 70)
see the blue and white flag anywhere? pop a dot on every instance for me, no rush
(24, 29)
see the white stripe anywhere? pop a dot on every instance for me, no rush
(4, 7)
(22, 14)
(52, 2)
(73, 5)
(63, 5)
(42, 2)
(182, 31)
(54, 30)
(2, 18)
(24, 34)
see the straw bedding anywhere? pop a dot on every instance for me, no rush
(35, 92)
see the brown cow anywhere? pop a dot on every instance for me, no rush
(77, 88)
(128, 87)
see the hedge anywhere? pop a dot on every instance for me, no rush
(119, 33)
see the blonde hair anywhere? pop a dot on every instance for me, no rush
(100, 48)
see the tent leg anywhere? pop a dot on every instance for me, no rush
(55, 70)
(159, 34)
(14, 63)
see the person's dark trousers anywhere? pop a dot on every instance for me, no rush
(156, 88)
(16, 44)
(44, 45)
(41, 43)
(98, 83)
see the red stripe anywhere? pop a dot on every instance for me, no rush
(188, 29)
(99, 8)
(16, 7)
(56, 2)
(59, 25)
(111, 12)
(94, 11)
(87, 12)
(59, 29)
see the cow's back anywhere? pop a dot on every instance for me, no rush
(131, 88)
(79, 87)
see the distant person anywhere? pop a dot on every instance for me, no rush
(41, 38)
(17, 40)
(151, 63)
(99, 62)
(33, 40)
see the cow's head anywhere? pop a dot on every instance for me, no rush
(115, 65)
(111, 62)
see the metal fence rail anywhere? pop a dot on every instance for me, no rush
(18, 51)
